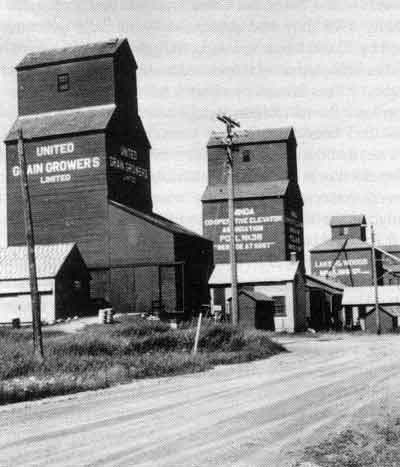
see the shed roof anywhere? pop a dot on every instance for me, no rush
(342, 244)
(62, 122)
(387, 294)
(253, 136)
(390, 248)
(392, 268)
(323, 283)
(257, 296)
(158, 220)
(49, 260)
(247, 190)
(356, 219)
(66, 54)
(277, 271)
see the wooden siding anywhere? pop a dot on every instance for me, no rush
(294, 230)
(125, 83)
(292, 159)
(72, 291)
(350, 267)
(91, 83)
(73, 210)
(196, 254)
(256, 240)
(354, 231)
(129, 180)
(134, 240)
(268, 162)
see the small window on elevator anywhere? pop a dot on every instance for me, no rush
(246, 155)
(63, 82)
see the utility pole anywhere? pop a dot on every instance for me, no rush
(30, 242)
(230, 124)
(377, 311)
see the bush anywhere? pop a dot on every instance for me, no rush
(102, 355)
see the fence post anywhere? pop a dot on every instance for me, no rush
(196, 339)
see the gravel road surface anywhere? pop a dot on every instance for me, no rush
(256, 414)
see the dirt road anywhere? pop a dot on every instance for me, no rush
(256, 414)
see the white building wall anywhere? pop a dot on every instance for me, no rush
(15, 301)
(282, 323)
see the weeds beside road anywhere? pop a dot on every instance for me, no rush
(104, 355)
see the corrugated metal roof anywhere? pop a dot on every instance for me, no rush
(158, 220)
(342, 244)
(324, 282)
(67, 54)
(252, 136)
(278, 271)
(356, 219)
(247, 190)
(62, 122)
(49, 259)
(387, 294)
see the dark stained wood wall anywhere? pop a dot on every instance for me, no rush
(72, 295)
(350, 267)
(268, 162)
(129, 180)
(267, 243)
(135, 240)
(65, 211)
(125, 84)
(197, 256)
(91, 83)
(294, 229)
(354, 231)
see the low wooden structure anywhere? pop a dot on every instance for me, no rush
(359, 307)
(256, 310)
(63, 282)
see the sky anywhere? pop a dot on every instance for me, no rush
(328, 69)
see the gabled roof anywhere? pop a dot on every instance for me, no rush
(158, 220)
(356, 219)
(387, 294)
(277, 271)
(67, 54)
(266, 135)
(62, 122)
(247, 190)
(49, 259)
(342, 244)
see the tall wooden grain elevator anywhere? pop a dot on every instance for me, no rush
(88, 159)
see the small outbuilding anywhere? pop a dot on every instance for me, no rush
(324, 301)
(63, 283)
(283, 281)
(359, 307)
(256, 310)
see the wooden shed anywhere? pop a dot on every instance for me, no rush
(256, 310)
(359, 307)
(63, 282)
(283, 281)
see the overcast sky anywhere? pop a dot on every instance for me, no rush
(329, 69)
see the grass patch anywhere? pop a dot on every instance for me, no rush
(373, 445)
(104, 355)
